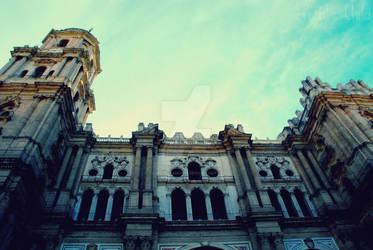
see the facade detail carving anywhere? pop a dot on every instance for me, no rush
(151, 191)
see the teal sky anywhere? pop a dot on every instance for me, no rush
(198, 65)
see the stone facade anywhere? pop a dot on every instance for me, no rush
(62, 187)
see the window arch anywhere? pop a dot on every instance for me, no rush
(273, 198)
(23, 74)
(85, 205)
(299, 195)
(50, 73)
(275, 172)
(63, 43)
(101, 205)
(198, 205)
(194, 171)
(108, 172)
(39, 71)
(118, 202)
(218, 205)
(288, 203)
(178, 205)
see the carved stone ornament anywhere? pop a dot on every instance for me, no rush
(183, 162)
(283, 163)
(118, 161)
(45, 61)
(6, 108)
(319, 142)
(92, 247)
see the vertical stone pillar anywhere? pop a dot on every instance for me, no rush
(243, 171)
(62, 171)
(15, 67)
(7, 65)
(148, 194)
(189, 207)
(68, 67)
(303, 175)
(296, 205)
(74, 169)
(92, 210)
(77, 206)
(344, 122)
(228, 207)
(238, 184)
(333, 136)
(279, 243)
(253, 169)
(109, 207)
(310, 205)
(125, 203)
(353, 127)
(264, 242)
(136, 169)
(208, 207)
(60, 67)
(168, 215)
(282, 205)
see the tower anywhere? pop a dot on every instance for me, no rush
(45, 98)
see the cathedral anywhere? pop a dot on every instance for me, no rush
(64, 188)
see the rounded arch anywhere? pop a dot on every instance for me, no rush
(108, 171)
(275, 172)
(273, 198)
(118, 203)
(102, 200)
(212, 245)
(299, 195)
(194, 171)
(39, 71)
(86, 204)
(178, 204)
(218, 204)
(198, 204)
(288, 203)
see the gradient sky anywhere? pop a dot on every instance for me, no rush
(198, 65)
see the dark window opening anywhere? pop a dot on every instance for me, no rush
(63, 43)
(274, 201)
(289, 173)
(19, 58)
(212, 172)
(263, 173)
(122, 173)
(178, 205)
(194, 171)
(218, 205)
(299, 195)
(275, 172)
(198, 205)
(85, 205)
(288, 203)
(50, 73)
(177, 172)
(39, 71)
(101, 205)
(76, 96)
(108, 172)
(118, 202)
(23, 74)
(93, 172)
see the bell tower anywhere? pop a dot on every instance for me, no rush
(45, 98)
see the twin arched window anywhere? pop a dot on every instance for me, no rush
(194, 171)
(108, 172)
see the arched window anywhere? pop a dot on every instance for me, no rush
(274, 201)
(63, 43)
(302, 202)
(39, 71)
(76, 96)
(194, 171)
(86, 204)
(108, 172)
(23, 74)
(50, 73)
(198, 205)
(288, 203)
(218, 204)
(275, 172)
(178, 205)
(101, 205)
(118, 202)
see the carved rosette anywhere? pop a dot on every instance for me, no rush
(284, 164)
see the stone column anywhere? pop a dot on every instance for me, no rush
(7, 65)
(208, 207)
(62, 171)
(282, 205)
(341, 137)
(253, 169)
(343, 121)
(124, 203)
(15, 67)
(74, 168)
(60, 67)
(264, 242)
(109, 207)
(333, 136)
(279, 243)
(323, 194)
(243, 171)
(310, 205)
(136, 169)
(228, 206)
(303, 174)
(92, 210)
(237, 180)
(68, 67)
(77, 206)
(189, 207)
(296, 205)
(148, 195)
(169, 207)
